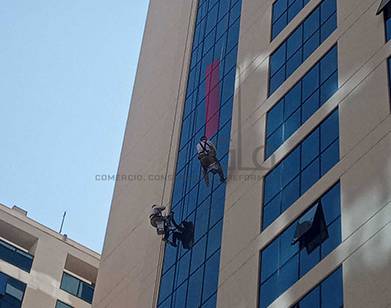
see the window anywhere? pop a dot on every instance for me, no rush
(77, 287)
(329, 293)
(300, 169)
(389, 75)
(189, 278)
(15, 256)
(11, 291)
(385, 7)
(283, 12)
(284, 261)
(301, 102)
(387, 21)
(60, 304)
(311, 229)
(302, 42)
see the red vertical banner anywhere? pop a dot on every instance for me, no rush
(212, 100)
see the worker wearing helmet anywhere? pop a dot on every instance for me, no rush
(208, 158)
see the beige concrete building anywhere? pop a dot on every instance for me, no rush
(302, 126)
(40, 268)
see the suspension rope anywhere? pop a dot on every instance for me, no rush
(162, 244)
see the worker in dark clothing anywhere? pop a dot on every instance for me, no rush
(161, 222)
(184, 232)
(166, 225)
(178, 233)
(208, 158)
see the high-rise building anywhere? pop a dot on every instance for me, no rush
(41, 268)
(295, 96)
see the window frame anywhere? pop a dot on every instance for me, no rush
(301, 48)
(386, 12)
(80, 286)
(298, 253)
(301, 169)
(302, 100)
(389, 81)
(286, 11)
(12, 281)
(17, 252)
(65, 305)
(339, 268)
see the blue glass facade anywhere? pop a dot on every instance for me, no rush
(190, 277)
(11, 291)
(284, 263)
(283, 12)
(15, 256)
(301, 168)
(329, 293)
(300, 102)
(301, 43)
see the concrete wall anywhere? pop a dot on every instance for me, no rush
(364, 169)
(50, 252)
(131, 255)
(131, 259)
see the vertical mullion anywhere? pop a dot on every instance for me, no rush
(301, 107)
(302, 44)
(285, 61)
(207, 238)
(320, 294)
(319, 144)
(78, 288)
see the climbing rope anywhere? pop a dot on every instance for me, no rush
(162, 244)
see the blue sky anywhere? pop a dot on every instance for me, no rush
(67, 72)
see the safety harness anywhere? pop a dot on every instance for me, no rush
(207, 157)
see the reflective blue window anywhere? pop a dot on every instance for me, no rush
(387, 21)
(310, 175)
(166, 303)
(303, 41)
(283, 12)
(211, 302)
(179, 297)
(195, 289)
(389, 75)
(60, 304)
(311, 300)
(329, 293)
(332, 290)
(198, 254)
(301, 169)
(300, 102)
(189, 277)
(11, 291)
(284, 263)
(182, 271)
(290, 193)
(214, 239)
(211, 276)
(15, 256)
(77, 287)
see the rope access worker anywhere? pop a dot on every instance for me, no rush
(159, 221)
(166, 224)
(208, 158)
(178, 233)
